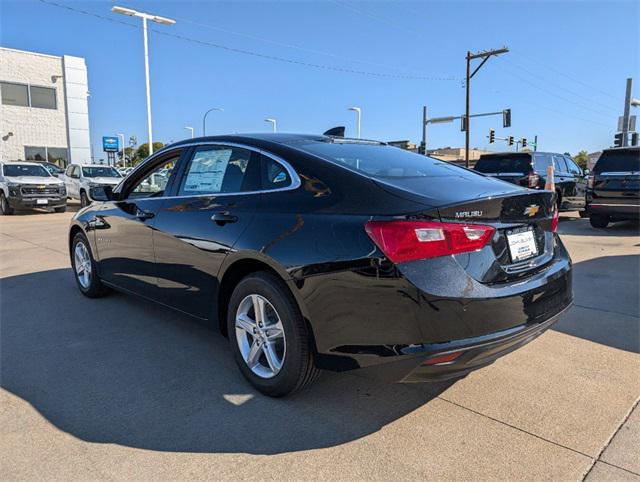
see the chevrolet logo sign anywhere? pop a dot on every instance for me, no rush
(41, 186)
(531, 210)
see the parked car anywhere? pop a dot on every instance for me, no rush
(53, 169)
(613, 189)
(79, 179)
(25, 185)
(529, 169)
(125, 170)
(312, 252)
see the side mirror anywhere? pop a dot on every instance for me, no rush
(586, 172)
(101, 193)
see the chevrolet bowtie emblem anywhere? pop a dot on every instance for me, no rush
(532, 210)
(41, 186)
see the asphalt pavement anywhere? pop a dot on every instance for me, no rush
(117, 388)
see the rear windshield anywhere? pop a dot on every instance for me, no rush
(379, 161)
(100, 172)
(25, 170)
(618, 161)
(504, 164)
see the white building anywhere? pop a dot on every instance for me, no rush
(44, 112)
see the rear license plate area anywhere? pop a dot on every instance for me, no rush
(522, 244)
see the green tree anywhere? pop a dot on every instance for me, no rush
(581, 158)
(143, 151)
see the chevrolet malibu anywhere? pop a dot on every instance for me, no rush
(317, 252)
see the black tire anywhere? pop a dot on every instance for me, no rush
(84, 199)
(4, 206)
(599, 221)
(95, 288)
(61, 209)
(583, 213)
(298, 367)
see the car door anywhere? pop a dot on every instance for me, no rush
(71, 181)
(124, 228)
(563, 181)
(579, 183)
(216, 200)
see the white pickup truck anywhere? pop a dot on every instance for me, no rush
(25, 185)
(79, 179)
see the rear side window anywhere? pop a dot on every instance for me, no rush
(274, 174)
(220, 169)
(618, 161)
(520, 164)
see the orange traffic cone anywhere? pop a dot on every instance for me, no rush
(550, 185)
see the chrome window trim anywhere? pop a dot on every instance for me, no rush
(295, 179)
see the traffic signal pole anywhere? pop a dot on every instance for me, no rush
(484, 55)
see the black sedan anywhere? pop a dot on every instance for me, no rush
(317, 252)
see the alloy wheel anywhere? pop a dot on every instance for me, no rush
(260, 336)
(83, 265)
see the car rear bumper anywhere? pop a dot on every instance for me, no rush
(617, 210)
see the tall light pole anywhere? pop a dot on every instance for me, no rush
(190, 129)
(273, 123)
(358, 110)
(157, 19)
(204, 119)
(124, 162)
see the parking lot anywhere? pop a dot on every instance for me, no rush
(119, 388)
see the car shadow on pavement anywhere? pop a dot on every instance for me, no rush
(121, 370)
(606, 306)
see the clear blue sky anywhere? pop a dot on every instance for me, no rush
(564, 78)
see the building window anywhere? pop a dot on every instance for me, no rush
(43, 97)
(55, 155)
(58, 156)
(14, 94)
(28, 95)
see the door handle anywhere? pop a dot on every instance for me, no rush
(223, 218)
(144, 214)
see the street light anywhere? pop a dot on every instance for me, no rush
(157, 19)
(273, 122)
(358, 110)
(191, 129)
(124, 162)
(204, 119)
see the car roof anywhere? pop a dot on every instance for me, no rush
(621, 149)
(22, 163)
(521, 153)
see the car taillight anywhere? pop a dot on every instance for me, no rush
(534, 179)
(590, 181)
(554, 220)
(404, 241)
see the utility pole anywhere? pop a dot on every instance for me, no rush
(626, 120)
(484, 55)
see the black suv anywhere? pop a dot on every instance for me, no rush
(613, 188)
(529, 169)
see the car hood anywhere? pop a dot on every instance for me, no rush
(34, 180)
(104, 180)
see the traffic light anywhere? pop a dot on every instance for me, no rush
(634, 139)
(617, 140)
(463, 123)
(524, 142)
(510, 140)
(506, 118)
(492, 136)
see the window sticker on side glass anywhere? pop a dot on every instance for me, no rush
(207, 171)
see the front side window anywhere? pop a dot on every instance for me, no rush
(43, 97)
(558, 163)
(100, 171)
(572, 166)
(155, 183)
(220, 169)
(14, 170)
(14, 94)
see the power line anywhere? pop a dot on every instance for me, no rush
(253, 53)
(557, 86)
(549, 92)
(564, 74)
